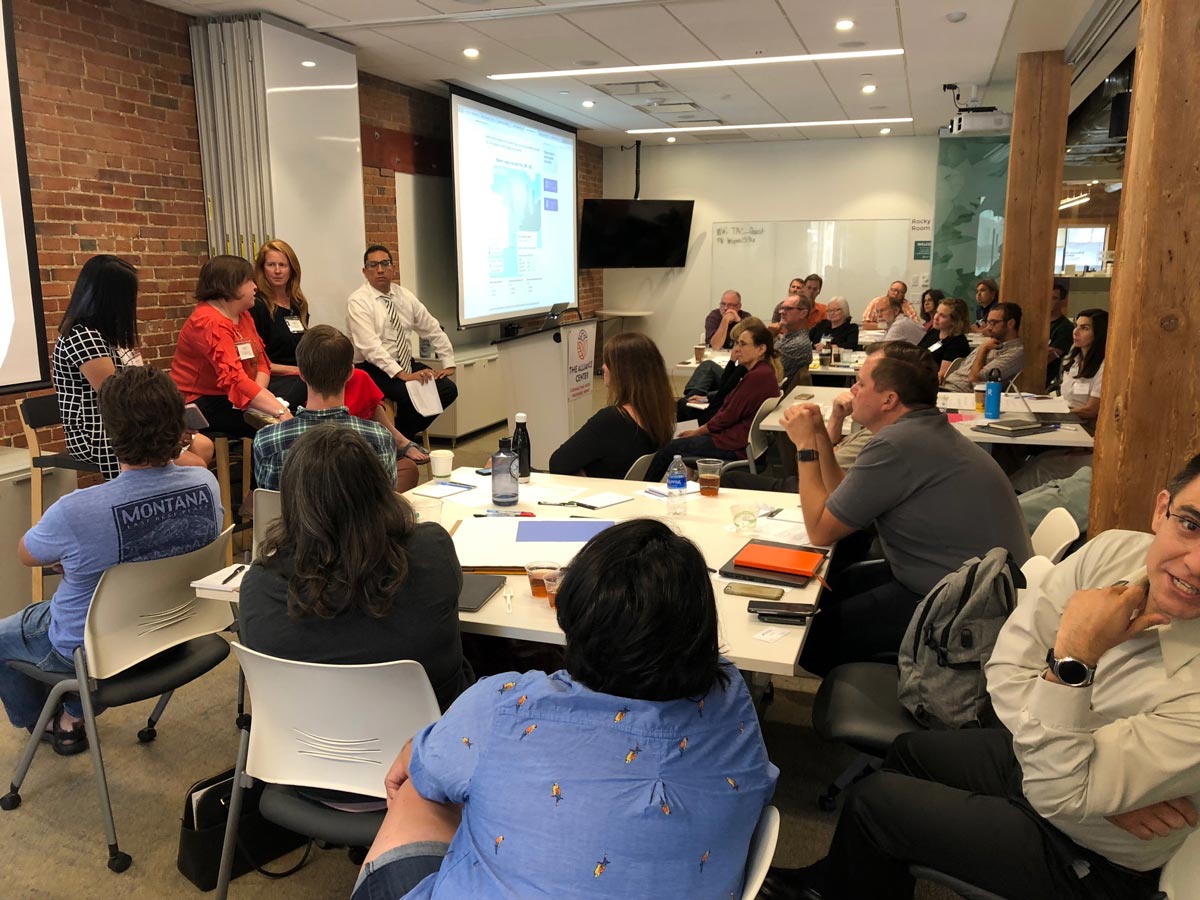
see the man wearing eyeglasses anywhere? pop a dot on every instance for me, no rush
(720, 322)
(1001, 349)
(795, 349)
(1097, 677)
(381, 318)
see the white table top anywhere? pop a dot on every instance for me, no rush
(623, 313)
(685, 368)
(708, 522)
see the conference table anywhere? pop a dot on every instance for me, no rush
(483, 541)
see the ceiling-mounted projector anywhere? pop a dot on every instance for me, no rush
(973, 118)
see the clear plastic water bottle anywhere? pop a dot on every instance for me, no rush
(520, 446)
(505, 468)
(677, 487)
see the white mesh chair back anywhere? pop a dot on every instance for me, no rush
(637, 472)
(757, 445)
(267, 509)
(762, 849)
(1055, 534)
(140, 609)
(328, 726)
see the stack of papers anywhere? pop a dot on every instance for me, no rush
(220, 581)
(659, 491)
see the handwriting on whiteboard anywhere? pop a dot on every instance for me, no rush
(739, 234)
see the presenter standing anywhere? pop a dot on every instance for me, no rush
(380, 318)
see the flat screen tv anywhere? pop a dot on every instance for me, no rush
(634, 234)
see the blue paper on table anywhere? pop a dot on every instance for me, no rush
(568, 531)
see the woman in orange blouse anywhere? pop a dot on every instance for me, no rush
(220, 364)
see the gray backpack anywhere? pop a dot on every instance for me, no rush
(949, 639)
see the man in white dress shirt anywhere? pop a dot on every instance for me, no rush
(1097, 677)
(380, 318)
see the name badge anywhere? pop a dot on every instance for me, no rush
(933, 348)
(1081, 387)
(245, 350)
(294, 325)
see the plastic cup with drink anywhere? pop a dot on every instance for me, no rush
(709, 472)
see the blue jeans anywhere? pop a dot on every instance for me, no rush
(25, 636)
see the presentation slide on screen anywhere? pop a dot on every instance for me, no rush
(514, 189)
(22, 351)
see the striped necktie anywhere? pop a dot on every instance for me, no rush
(403, 347)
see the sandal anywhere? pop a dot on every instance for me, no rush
(64, 742)
(413, 445)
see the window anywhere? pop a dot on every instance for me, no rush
(1081, 248)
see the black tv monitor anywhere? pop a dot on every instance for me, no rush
(634, 234)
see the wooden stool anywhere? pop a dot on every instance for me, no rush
(221, 461)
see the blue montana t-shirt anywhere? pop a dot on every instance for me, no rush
(571, 793)
(141, 514)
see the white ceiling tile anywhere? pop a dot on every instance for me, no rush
(740, 30)
(643, 35)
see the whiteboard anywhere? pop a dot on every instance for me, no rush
(858, 258)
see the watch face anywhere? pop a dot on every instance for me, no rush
(1072, 672)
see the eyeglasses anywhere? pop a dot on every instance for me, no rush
(1186, 527)
(993, 321)
(379, 264)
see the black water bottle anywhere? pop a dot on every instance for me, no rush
(520, 446)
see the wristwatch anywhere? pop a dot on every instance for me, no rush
(1070, 671)
(806, 456)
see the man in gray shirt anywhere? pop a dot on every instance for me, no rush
(935, 498)
(1001, 349)
(899, 326)
(795, 349)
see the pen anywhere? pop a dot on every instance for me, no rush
(583, 517)
(457, 484)
(232, 575)
(505, 513)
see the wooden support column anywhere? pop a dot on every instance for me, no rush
(1035, 171)
(1150, 405)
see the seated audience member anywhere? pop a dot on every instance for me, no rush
(280, 314)
(796, 288)
(639, 765)
(837, 329)
(219, 362)
(381, 317)
(813, 284)
(898, 327)
(795, 349)
(1082, 375)
(935, 498)
(97, 338)
(719, 323)
(724, 436)
(639, 418)
(152, 509)
(987, 295)
(1061, 332)
(712, 382)
(326, 359)
(347, 576)
(947, 340)
(1097, 677)
(929, 304)
(1002, 349)
(897, 289)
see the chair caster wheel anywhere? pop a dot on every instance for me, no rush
(11, 800)
(827, 802)
(146, 735)
(119, 861)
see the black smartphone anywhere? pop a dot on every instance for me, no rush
(193, 419)
(483, 471)
(783, 620)
(757, 591)
(775, 608)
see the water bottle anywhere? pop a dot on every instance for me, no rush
(505, 468)
(991, 399)
(677, 487)
(520, 446)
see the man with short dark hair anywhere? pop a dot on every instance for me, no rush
(795, 349)
(325, 358)
(719, 323)
(1001, 349)
(1093, 786)
(152, 509)
(1062, 331)
(812, 285)
(935, 498)
(381, 318)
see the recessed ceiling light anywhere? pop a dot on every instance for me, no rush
(588, 104)
(308, 64)
(885, 131)
(702, 64)
(868, 88)
(843, 24)
(470, 53)
(670, 140)
(679, 128)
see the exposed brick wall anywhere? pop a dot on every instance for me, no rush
(589, 185)
(114, 157)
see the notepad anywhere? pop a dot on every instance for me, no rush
(559, 531)
(439, 489)
(602, 500)
(808, 562)
(424, 397)
(775, 557)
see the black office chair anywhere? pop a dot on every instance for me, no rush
(964, 890)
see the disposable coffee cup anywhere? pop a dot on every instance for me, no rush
(980, 396)
(699, 351)
(441, 463)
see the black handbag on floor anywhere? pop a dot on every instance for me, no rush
(205, 812)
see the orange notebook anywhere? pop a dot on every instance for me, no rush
(776, 558)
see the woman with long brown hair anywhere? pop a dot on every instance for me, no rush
(639, 418)
(281, 316)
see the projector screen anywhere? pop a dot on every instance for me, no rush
(514, 205)
(23, 362)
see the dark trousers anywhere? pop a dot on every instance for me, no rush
(409, 422)
(952, 801)
(860, 619)
(701, 446)
(223, 417)
(291, 389)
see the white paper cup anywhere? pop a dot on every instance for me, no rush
(426, 509)
(441, 462)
